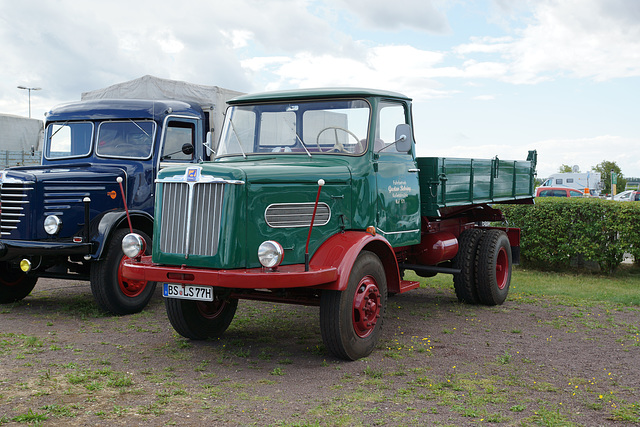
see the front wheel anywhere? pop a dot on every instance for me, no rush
(111, 290)
(199, 320)
(14, 284)
(493, 267)
(351, 320)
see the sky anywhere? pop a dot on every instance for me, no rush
(487, 77)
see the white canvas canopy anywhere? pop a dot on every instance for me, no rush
(211, 98)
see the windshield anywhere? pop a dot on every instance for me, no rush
(333, 126)
(125, 138)
(70, 139)
(121, 139)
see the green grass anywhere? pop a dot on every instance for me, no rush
(621, 288)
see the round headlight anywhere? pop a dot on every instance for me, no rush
(270, 254)
(133, 245)
(52, 224)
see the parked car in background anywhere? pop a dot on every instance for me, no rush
(557, 192)
(628, 196)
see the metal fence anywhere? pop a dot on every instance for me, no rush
(9, 158)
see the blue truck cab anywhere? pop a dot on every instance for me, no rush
(66, 217)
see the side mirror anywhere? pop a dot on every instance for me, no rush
(207, 144)
(187, 149)
(404, 138)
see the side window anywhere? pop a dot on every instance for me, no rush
(559, 181)
(575, 193)
(390, 115)
(178, 134)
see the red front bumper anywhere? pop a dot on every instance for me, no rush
(287, 276)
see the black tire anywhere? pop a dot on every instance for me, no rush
(493, 267)
(351, 320)
(15, 285)
(464, 282)
(111, 291)
(199, 320)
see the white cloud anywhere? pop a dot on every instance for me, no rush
(423, 15)
(595, 39)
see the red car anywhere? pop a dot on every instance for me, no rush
(557, 192)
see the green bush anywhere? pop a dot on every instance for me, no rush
(556, 230)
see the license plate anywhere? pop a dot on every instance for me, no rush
(192, 292)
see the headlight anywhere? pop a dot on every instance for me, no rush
(52, 224)
(270, 254)
(133, 245)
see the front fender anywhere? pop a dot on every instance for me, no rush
(341, 250)
(113, 220)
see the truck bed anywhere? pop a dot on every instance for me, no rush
(448, 182)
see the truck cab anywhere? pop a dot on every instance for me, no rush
(66, 217)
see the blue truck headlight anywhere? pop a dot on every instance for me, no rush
(52, 224)
(270, 254)
(133, 245)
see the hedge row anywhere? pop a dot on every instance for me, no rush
(557, 230)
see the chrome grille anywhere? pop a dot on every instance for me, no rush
(191, 214)
(281, 215)
(13, 199)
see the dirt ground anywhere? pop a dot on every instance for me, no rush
(531, 361)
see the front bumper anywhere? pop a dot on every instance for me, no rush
(287, 276)
(11, 249)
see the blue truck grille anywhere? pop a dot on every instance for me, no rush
(14, 197)
(190, 218)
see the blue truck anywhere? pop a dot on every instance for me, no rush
(66, 217)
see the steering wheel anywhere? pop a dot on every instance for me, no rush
(338, 145)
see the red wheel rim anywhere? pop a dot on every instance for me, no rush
(129, 288)
(211, 310)
(502, 268)
(366, 307)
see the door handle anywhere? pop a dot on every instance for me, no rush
(414, 170)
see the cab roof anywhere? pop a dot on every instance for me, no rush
(101, 109)
(296, 94)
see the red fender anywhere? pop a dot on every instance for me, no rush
(341, 250)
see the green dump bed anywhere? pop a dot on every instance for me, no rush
(449, 182)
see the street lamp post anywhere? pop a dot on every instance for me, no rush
(29, 89)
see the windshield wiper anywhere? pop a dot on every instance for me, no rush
(299, 139)
(233, 128)
(59, 129)
(143, 131)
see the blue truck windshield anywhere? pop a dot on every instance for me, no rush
(70, 139)
(120, 139)
(332, 126)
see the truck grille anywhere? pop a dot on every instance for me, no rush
(281, 215)
(191, 214)
(14, 196)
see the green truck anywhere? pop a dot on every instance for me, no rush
(317, 197)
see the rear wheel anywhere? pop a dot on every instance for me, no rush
(351, 320)
(14, 284)
(493, 267)
(111, 290)
(464, 282)
(199, 320)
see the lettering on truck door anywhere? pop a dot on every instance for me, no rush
(398, 199)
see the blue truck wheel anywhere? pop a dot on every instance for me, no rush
(14, 284)
(112, 292)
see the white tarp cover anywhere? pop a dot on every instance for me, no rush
(20, 133)
(149, 87)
